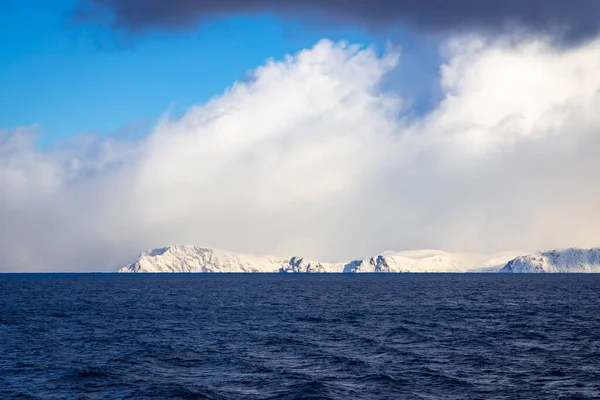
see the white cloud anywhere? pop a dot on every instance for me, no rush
(312, 157)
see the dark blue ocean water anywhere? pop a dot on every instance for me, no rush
(405, 336)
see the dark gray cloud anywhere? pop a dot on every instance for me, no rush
(568, 20)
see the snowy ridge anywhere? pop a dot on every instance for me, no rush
(431, 261)
(572, 260)
(183, 258)
(301, 265)
(199, 259)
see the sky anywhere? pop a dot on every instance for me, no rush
(324, 129)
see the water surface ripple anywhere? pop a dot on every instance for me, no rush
(404, 336)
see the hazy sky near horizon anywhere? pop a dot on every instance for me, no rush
(319, 129)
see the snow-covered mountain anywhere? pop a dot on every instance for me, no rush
(558, 261)
(431, 261)
(200, 259)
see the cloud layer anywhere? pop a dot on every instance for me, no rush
(312, 157)
(571, 21)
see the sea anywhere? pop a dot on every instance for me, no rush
(304, 336)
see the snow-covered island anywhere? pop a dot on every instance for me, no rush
(556, 261)
(184, 258)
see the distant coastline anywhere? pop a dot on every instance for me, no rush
(197, 259)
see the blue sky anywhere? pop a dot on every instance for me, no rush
(71, 79)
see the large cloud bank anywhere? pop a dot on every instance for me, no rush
(312, 157)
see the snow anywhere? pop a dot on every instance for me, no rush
(572, 260)
(200, 259)
(187, 258)
(431, 261)
(301, 265)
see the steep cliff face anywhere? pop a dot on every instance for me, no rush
(573, 260)
(301, 265)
